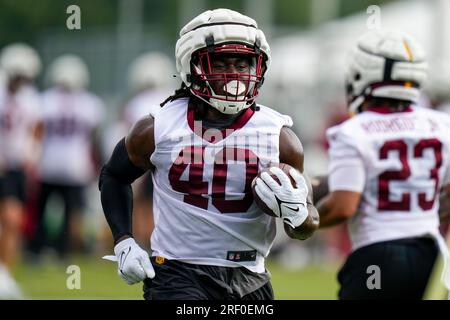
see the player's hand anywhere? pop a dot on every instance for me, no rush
(284, 200)
(134, 262)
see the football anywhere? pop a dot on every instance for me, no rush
(283, 166)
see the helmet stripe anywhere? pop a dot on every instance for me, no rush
(408, 50)
(222, 23)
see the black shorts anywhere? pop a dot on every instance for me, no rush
(403, 266)
(13, 185)
(72, 195)
(177, 280)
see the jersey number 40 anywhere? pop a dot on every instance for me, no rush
(195, 188)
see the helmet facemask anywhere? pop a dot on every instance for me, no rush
(228, 92)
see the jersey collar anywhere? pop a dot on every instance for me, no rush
(386, 110)
(240, 121)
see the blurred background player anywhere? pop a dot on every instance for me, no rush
(150, 81)
(20, 131)
(388, 164)
(71, 116)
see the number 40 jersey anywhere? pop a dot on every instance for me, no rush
(203, 204)
(398, 161)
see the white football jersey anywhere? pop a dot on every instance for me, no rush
(203, 205)
(399, 162)
(70, 119)
(19, 114)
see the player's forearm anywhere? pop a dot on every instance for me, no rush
(319, 188)
(444, 206)
(116, 193)
(328, 216)
(117, 203)
(307, 228)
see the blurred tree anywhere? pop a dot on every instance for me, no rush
(350, 6)
(162, 15)
(229, 4)
(292, 13)
(21, 20)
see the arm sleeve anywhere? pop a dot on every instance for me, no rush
(116, 194)
(346, 166)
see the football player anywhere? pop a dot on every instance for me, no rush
(204, 147)
(71, 115)
(20, 131)
(388, 165)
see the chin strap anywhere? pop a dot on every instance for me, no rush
(224, 106)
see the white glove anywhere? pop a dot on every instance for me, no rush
(284, 200)
(134, 262)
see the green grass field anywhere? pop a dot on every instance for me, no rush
(100, 281)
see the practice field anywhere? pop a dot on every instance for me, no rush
(99, 281)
